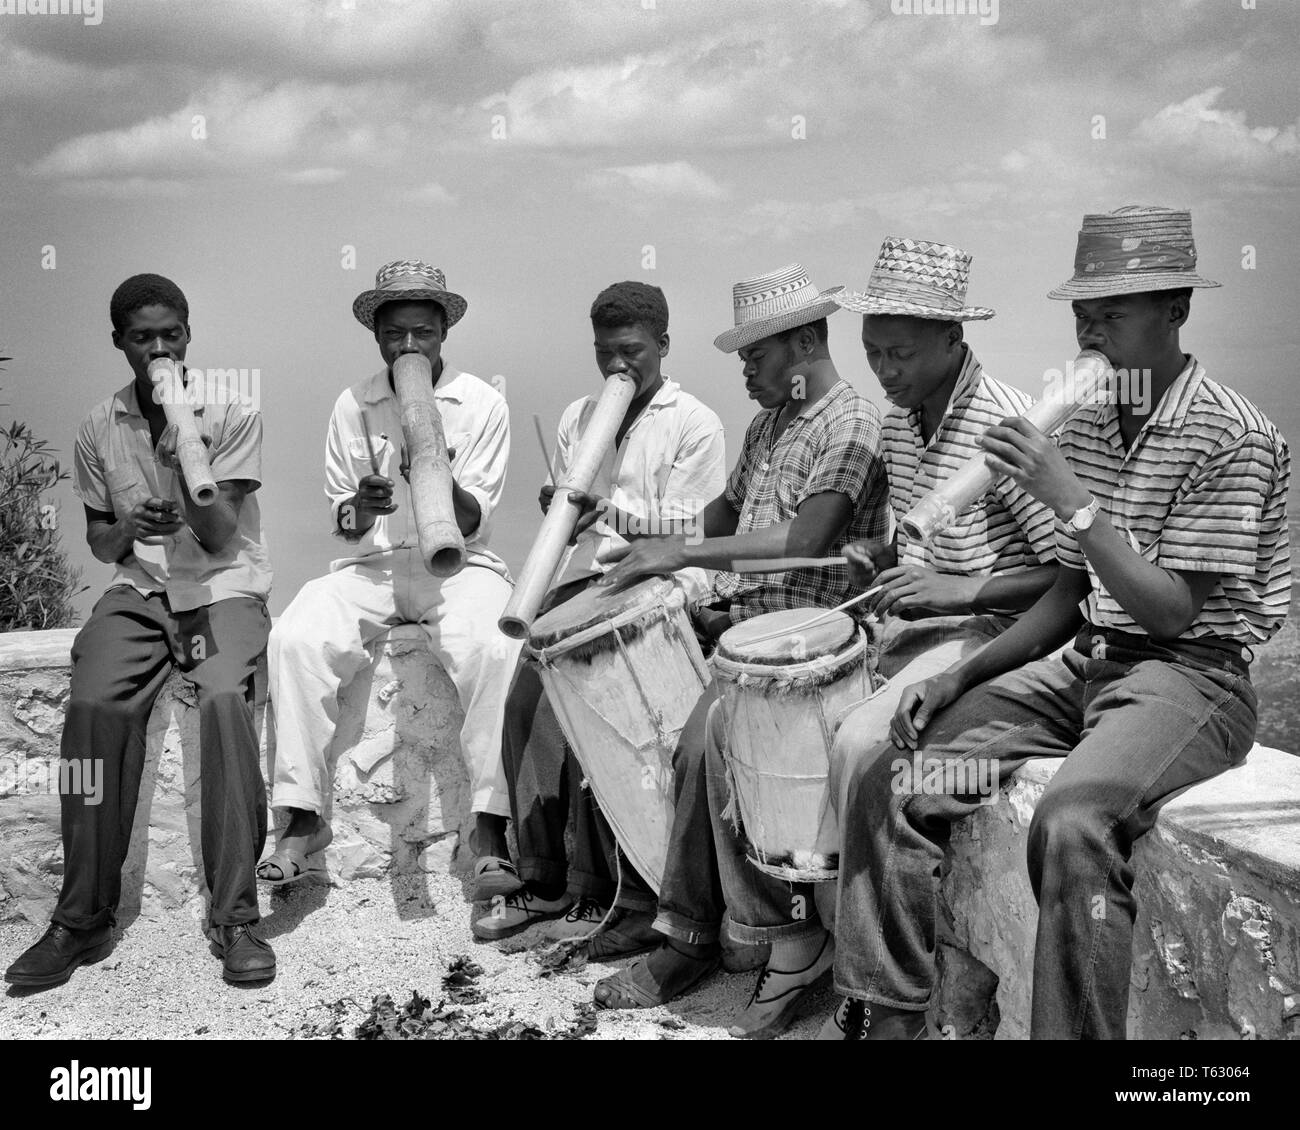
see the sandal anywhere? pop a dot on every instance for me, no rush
(635, 986)
(291, 861)
(494, 876)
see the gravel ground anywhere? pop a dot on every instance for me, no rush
(336, 949)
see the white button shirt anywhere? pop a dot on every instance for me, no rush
(476, 424)
(670, 465)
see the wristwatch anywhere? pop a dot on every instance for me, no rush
(1081, 520)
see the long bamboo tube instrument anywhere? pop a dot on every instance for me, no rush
(561, 518)
(191, 452)
(442, 547)
(939, 510)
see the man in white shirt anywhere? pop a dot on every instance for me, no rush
(319, 643)
(667, 462)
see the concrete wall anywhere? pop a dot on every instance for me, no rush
(1217, 949)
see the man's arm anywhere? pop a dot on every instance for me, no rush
(818, 521)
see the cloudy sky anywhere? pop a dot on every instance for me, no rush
(540, 150)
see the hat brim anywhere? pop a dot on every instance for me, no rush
(1105, 286)
(367, 302)
(862, 303)
(740, 336)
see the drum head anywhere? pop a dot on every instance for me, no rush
(594, 605)
(794, 644)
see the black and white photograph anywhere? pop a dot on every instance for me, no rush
(648, 520)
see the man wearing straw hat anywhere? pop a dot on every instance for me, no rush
(319, 644)
(1172, 534)
(939, 600)
(808, 481)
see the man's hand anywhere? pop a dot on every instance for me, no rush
(1019, 450)
(165, 452)
(920, 703)
(866, 559)
(644, 558)
(404, 462)
(590, 508)
(374, 496)
(911, 588)
(155, 517)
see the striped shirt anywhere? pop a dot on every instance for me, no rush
(833, 446)
(1005, 531)
(1203, 490)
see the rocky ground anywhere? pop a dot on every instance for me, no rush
(338, 948)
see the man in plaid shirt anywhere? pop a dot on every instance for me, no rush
(810, 479)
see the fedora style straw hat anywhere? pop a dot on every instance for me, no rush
(914, 278)
(1133, 249)
(408, 280)
(773, 303)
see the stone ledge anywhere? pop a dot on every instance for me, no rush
(1216, 950)
(401, 792)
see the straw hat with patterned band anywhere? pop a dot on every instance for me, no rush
(1131, 250)
(914, 278)
(773, 303)
(408, 280)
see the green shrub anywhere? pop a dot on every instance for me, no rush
(37, 585)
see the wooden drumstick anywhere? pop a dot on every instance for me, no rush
(442, 546)
(781, 564)
(940, 509)
(561, 519)
(191, 451)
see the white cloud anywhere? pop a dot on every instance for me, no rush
(429, 193)
(1199, 136)
(675, 178)
(318, 175)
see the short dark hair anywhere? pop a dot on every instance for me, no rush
(145, 290)
(820, 327)
(442, 312)
(631, 303)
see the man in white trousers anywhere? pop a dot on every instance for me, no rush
(319, 644)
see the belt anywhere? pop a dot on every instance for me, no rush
(1123, 647)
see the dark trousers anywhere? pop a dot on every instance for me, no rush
(545, 795)
(1136, 724)
(120, 660)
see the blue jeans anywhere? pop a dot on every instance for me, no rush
(1135, 727)
(761, 908)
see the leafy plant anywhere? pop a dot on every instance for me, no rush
(37, 585)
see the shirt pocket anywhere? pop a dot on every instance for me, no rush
(359, 451)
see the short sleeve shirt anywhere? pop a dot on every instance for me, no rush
(113, 462)
(833, 446)
(1203, 489)
(1004, 531)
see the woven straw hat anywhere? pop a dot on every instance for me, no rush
(914, 278)
(408, 280)
(772, 303)
(1133, 249)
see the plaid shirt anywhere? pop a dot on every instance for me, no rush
(834, 446)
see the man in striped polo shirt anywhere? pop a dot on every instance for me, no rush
(1172, 534)
(809, 480)
(940, 600)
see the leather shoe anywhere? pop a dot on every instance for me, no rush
(244, 956)
(61, 949)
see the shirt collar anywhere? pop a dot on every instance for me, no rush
(1172, 410)
(963, 390)
(126, 403)
(450, 386)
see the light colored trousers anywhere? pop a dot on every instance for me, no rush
(319, 645)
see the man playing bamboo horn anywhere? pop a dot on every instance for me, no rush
(189, 590)
(808, 481)
(667, 462)
(320, 642)
(1171, 533)
(939, 601)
